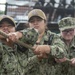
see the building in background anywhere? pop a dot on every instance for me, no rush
(19, 9)
(54, 9)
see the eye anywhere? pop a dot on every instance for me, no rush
(31, 21)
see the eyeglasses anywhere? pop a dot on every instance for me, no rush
(68, 30)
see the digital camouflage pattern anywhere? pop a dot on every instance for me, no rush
(14, 61)
(30, 36)
(25, 56)
(66, 68)
(46, 66)
(8, 62)
(27, 63)
(66, 23)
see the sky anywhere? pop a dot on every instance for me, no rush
(2, 7)
(2, 1)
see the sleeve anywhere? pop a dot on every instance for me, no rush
(57, 48)
(33, 60)
(32, 65)
(30, 36)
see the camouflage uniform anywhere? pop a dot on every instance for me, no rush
(24, 55)
(66, 68)
(8, 60)
(45, 66)
(14, 61)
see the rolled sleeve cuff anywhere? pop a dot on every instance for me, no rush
(56, 52)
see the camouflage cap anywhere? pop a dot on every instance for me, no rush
(30, 35)
(66, 23)
(36, 12)
(8, 19)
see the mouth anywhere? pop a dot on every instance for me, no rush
(36, 27)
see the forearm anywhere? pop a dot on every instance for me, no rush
(56, 52)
